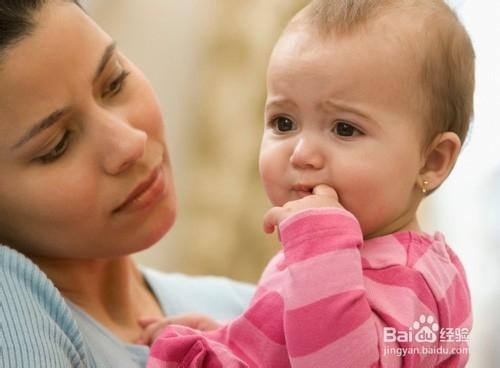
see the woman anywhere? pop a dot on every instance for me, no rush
(86, 181)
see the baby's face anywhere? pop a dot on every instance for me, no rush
(341, 111)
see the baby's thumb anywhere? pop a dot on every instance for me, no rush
(325, 190)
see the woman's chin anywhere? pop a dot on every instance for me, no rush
(149, 232)
(154, 232)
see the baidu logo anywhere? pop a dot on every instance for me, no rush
(429, 337)
(423, 330)
(426, 329)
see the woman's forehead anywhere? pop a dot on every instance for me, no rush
(46, 68)
(63, 35)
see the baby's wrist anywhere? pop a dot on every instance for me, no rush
(315, 231)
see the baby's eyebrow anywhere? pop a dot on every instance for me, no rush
(280, 102)
(328, 105)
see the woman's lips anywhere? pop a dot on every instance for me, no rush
(145, 193)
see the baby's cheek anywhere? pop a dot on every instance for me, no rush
(373, 218)
(273, 190)
(272, 184)
(363, 202)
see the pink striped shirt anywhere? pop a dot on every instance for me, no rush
(331, 299)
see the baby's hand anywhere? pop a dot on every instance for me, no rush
(322, 196)
(152, 327)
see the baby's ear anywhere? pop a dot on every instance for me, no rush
(439, 159)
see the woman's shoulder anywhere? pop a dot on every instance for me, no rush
(37, 325)
(219, 297)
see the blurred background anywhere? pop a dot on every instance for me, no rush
(207, 60)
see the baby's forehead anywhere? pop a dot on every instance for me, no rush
(387, 39)
(415, 24)
(401, 35)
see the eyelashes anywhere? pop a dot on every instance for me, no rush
(283, 124)
(345, 129)
(341, 128)
(58, 149)
(116, 85)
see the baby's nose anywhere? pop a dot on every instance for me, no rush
(307, 154)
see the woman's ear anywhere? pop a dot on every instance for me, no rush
(439, 160)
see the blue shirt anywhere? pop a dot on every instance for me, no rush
(39, 328)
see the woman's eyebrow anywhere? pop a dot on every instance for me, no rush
(108, 53)
(51, 119)
(41, 126)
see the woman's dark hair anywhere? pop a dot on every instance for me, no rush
(17, 20)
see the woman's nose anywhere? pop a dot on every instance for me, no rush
(123, 145)
(307, 154)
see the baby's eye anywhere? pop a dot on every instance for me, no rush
(283, 124)
(344, 129)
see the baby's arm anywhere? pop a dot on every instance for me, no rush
(327, 317)
(257, 338)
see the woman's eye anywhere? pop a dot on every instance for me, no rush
(57, 151)
(116, 85)
(283, 124)
(344, 129)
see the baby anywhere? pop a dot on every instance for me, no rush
(368, 105)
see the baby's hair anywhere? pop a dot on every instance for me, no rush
(446, 70)
(17, 20)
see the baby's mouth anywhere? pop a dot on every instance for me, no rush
(303, 190)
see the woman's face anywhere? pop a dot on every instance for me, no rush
(84, 167)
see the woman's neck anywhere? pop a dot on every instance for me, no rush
(112, 291)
